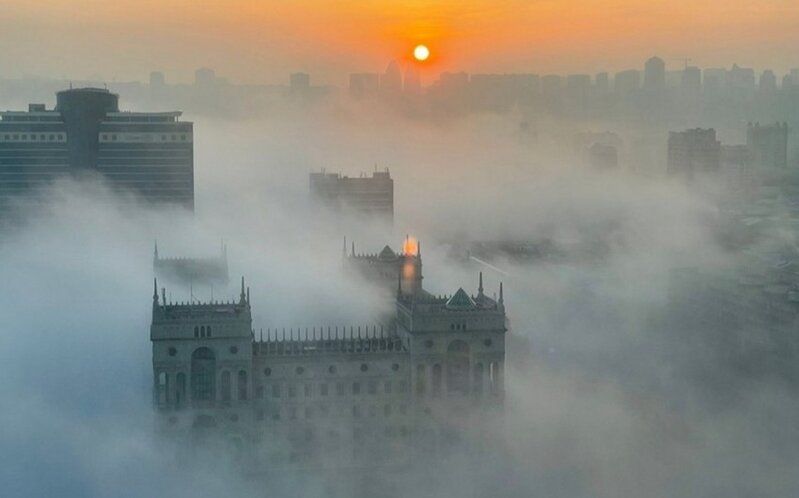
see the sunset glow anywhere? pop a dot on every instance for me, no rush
(271, 40)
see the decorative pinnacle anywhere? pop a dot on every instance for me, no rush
(242, 296)
(155, 291)
(501, 300)
(480, 287)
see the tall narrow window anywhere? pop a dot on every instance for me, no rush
(203, 375)
(163, 388)
(421, 381)
(458, 368)
(242, 385)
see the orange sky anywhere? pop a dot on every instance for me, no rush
(264, 40)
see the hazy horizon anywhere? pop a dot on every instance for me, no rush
(262, 43)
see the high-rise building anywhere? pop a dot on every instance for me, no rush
(693, 151)
(391, 81)
(655, 74)
(692, 79)
(768, 82)
(740, 78)
(148, 153)
(768, 145)
(366, 195)
(602, 84)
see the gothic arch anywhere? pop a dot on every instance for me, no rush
(203, 375)
(458, 367)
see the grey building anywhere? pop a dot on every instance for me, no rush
(329, 396)
(150, 154)
(768, 145)
(693, 151)
(366, 195)
(192, 271)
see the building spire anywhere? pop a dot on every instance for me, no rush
(155, 291)
(501, 297)
(480, 287)
(155, 250)
(242, 296)
(419, 249)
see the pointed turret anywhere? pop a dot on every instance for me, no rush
(155, 292)
(501, 297)
(155, 251)
(242, 296)
(480, 286)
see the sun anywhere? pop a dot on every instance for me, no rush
(421, 53)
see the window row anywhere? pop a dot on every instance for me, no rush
(332, 369)
(324, 411)
(33, 137)
(202, 331)
(339, 388)
(164, 138)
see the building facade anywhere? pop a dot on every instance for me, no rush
(693, 151)
(365, 195)
(768, 145)
(150, 154)
(330, 396)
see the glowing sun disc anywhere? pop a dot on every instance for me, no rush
(421, 53)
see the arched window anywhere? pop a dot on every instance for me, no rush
(242, 385)
(202, 331)
(196, 332)
(458, 367)
(203, 375)
(436, 380)
(180, 390)
(477, 383)
(163, 388)
(421, 381)
(224, 386)
(493, 377)
(208, 331)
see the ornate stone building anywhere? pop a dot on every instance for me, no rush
(331, 396)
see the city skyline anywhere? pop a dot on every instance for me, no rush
(262, 43)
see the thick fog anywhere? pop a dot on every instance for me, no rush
(605, 398)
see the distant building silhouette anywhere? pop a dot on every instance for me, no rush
(768, 82)
(692, 79)
(693, 151)
(655, 74)
(192, 271)
(366, 195)
(391, 81)
(768, 145)
(150, 154)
